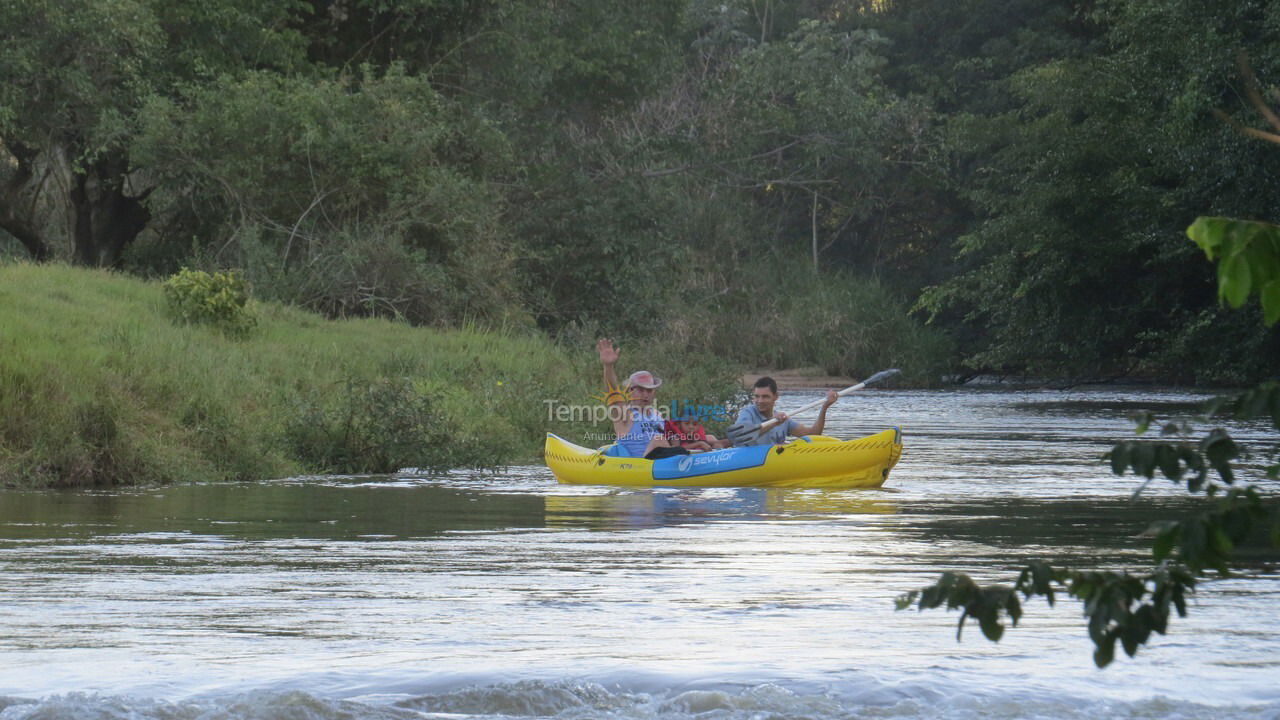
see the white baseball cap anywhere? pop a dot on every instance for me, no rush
(644, 379)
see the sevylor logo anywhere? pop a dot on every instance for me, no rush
(688, 462)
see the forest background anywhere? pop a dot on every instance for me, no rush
(951, 186)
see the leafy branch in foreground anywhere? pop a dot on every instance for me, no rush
(1129, 607)
(1121, 606)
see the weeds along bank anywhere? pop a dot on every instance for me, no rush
(787, 316)
(99, 384)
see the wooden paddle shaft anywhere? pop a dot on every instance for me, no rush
(773, 422)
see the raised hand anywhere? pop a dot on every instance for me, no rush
(608, 353)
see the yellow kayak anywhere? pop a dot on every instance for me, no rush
(816, 461)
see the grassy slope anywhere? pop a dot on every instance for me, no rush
(99, 386)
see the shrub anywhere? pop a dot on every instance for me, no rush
(220, 299)
(377, 426)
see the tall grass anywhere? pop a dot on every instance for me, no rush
(99, 386)
(785, 316)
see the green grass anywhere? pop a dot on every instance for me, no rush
(100, 386)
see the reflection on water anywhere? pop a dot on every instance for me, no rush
(319, 508)
(507, 595)
(633, 509)
(355, 509)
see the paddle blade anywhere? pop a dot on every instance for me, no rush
(881, 376)
(741, 433)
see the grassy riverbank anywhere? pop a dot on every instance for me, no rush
(99, 386)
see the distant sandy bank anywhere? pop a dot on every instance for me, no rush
(799, 379)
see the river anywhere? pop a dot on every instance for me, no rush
(505, 595)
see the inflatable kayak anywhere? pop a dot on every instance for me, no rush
(815, 461)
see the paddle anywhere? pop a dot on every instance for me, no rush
(741, 433)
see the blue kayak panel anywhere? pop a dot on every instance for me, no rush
(710, 463)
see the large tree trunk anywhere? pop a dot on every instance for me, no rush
(18, 202)
(101, 218)
(104, 220)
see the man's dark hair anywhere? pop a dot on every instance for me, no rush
(767, 382)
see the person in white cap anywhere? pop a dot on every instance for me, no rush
(635, 420)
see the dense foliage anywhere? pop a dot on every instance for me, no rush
(1018, 171)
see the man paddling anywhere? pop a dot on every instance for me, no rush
(637, 423)
(763, 397)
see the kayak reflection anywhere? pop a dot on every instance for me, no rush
(647, 508)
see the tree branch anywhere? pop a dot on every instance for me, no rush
(1245, 129)
(13, 219)
(686, 168)
(1254, 91)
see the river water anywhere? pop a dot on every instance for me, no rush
(506, 595)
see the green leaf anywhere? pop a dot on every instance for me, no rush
(1234, 280)
(1041, 577)
(1105, 652)
(1252, 403)
(1143, 458)
(1219, 448)
(1160, 619)
(1130, 639)
(1221, 543)
(989, 621)
(1119, 457)
(1208, 233)
(1165, 540)
(1142, 420)
(1269, 294)
(1167, 460)
(1213, 405)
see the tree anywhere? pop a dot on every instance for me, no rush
(73, 77)
(1103, 154)
(363, 194)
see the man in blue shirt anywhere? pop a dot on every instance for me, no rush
(763, 396)
(636, 421)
